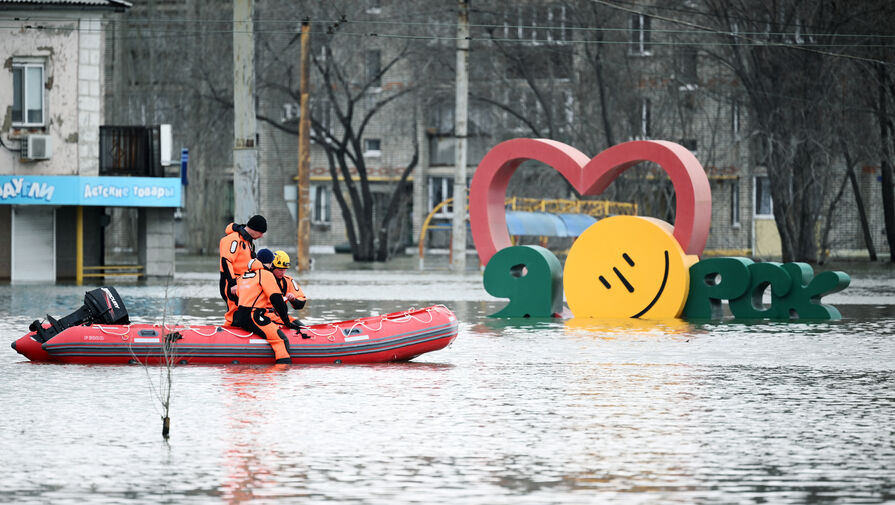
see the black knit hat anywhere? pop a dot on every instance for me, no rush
(258, 223)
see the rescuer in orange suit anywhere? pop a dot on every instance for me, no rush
(258, 293)
(237, 249)
(288, 286)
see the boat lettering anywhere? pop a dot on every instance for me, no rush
(94, 337)
(111, 298)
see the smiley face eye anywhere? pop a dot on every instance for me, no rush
(621, 277)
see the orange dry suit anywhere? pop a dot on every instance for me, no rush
(237, 249)
(258, 292)
(289, 285)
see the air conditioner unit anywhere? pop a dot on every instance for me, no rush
(37, 147)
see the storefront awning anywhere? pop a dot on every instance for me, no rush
(100, 191)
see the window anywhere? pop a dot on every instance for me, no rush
(440, 189)
(764, 206)
(735, 117)
(320, 196)
(28, 94)
(556, 19)
(372, 147)
(735, 202)
(640, 35)
(537, 23)
(569, 107)
(321, 113)
(373, 68)
(688, 67)
(645, 118)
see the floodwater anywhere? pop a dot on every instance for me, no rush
(522, 411)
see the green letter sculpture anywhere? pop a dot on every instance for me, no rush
(530, 276)
(802, 301)
(707, 290)
(749, 305)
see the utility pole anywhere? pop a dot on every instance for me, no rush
(245, 156)
(458, 242)
(304, 157)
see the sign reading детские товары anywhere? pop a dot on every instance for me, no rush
(101, 191)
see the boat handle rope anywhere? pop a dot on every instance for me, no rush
(197, 332)
(249, 335)
(320, 334)
(124, 336)
(406, 317)
(167, 329)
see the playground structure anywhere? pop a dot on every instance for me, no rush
(543, 218)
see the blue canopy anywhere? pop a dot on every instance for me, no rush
(577, 223)
(547, 225)
(535, 223)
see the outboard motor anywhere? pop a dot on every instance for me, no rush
(102, 305)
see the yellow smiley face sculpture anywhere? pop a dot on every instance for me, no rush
(627, 266)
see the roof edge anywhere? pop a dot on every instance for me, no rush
(64, 5)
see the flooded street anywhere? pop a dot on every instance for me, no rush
(521, 411)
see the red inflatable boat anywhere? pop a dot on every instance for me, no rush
(399, 336)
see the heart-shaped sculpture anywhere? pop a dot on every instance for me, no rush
(487, 192)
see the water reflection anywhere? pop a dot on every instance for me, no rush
(515, 411)
(248, 390)
(627, 327)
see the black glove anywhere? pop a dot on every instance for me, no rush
(298, 326)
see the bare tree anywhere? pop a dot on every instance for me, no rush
(352, 86)
(886, 93)
(771, 48)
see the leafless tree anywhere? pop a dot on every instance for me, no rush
(348, 93)
(782, 55)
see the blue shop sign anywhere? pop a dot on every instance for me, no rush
(97, 191)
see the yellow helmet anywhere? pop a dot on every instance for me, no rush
(280, 259)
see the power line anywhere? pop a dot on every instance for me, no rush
(737, 35)
(570, 27)
(166, 33)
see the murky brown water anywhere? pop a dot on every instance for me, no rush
(513, 412)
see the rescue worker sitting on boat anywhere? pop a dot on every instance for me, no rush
(288, 286)
(237, 248)
(258, 293)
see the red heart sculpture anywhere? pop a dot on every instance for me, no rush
(487, 192)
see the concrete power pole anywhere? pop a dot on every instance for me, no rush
(458, 244)
(245, 156)
(304, 158)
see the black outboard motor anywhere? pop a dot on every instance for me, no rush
(102, 305)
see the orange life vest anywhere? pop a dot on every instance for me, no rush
(236, 251)
(256, 287)
(289, 285)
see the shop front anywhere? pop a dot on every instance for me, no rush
(55, 224)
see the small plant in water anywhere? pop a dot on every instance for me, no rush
(167, 358)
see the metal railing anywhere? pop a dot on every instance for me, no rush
(112, 271)
(595, 208)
